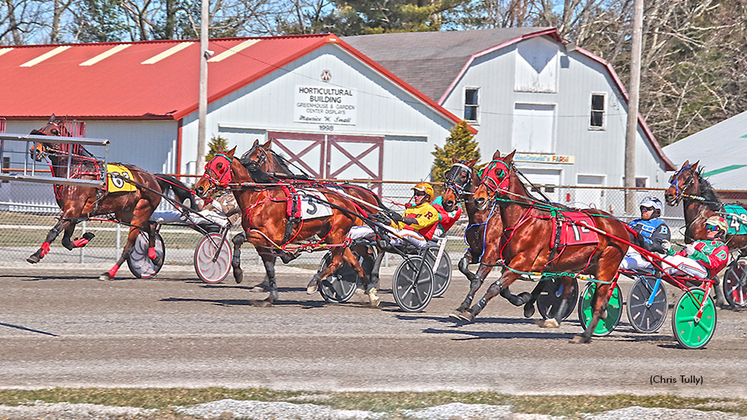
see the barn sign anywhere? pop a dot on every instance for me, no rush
(325, 105)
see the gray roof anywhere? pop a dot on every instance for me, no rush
(430, 61)
(721, 150)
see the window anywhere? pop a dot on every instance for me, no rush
(641, 182)
(470, 104)
(597, 111)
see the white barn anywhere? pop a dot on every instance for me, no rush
(325, 105)
(563, 109)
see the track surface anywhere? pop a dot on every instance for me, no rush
(62, 327)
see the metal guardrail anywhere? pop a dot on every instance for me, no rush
(28, 167)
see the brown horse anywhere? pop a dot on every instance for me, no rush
(264, 217)
(526, 244)
(79, 203)
(699, 202)
(262, 158)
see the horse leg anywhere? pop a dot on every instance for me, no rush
(719, 292)
(507, 277)
(529, 306)
(334, 265)
(350, 258)
(61, 225)
(268, 260)
(238, 273)
(565, 301)
(131, 237)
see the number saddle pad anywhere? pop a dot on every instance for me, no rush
(114, 181)
(736, 217)
(312, 208)
(574, 233)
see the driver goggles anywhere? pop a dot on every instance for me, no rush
(418, 193)
(712, 228)
(644, 208)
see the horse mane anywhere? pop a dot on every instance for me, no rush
(259, 176)
(708, 193)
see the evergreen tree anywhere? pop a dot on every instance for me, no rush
(217, 145)
(460, 145)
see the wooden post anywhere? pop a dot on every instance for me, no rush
(632, 129)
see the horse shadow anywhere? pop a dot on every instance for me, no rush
(469, 335)
(248, 302)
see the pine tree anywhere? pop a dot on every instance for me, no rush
(460, 145)
(217, 144)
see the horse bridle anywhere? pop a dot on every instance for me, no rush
(451, 181)
(221, 179)
(495, 185)
(261, 159)
(680, 192)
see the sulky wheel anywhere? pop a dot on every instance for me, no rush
(735, 284)
(692, 334)
(550, 297)
(614, 310)
(412, 285)
(340, 286)
(140, 265)
(211, 265)
(647, 315)
(442, 273)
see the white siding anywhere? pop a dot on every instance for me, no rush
(383, 109)
(504, 76)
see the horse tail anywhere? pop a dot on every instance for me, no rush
(181, 191)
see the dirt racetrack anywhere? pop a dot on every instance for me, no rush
(62, 327)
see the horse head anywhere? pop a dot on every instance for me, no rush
(41, 150)
(684, 182)
(258, 157)
(458, 182)
(495, 179)
(217, 174)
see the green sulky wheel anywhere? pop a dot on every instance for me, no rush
(691, 334)
(614, 310)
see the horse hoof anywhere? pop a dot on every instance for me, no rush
(312, 288)
(466, 316)
(548, 323)
(33, 259)
(580, 339)
(528, 310)
(238, 275)
(604, 315)
(455, 316)
(374, 300)
(105, 277)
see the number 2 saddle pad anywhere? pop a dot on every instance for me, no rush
(312, 208)
(736, 216)
(574, 233)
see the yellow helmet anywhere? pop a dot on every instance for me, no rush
(424, 187)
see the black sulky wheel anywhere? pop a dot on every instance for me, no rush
(340, 286)
(735, 284)
(644, 314)
(442, 273)
(212, 266)
(412, 285)
(140, 265)
(549, 298)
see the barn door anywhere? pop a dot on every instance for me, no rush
(2, 125)
(333, 156)
(303, 150)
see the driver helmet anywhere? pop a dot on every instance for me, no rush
(655, 203)
(719, 222)
(426, 188)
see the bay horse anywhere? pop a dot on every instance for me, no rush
(260, 157)
(79, 203)
(526, 244)
(699, 202)
(264, 217)
(461, 183)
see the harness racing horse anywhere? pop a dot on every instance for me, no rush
(526, 244)
(264, 217)
(260, 157)
(699, 202)
(79, 203)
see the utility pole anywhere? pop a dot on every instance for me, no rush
(202, 112)
(635, 85)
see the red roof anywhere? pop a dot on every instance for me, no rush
(149, 79)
